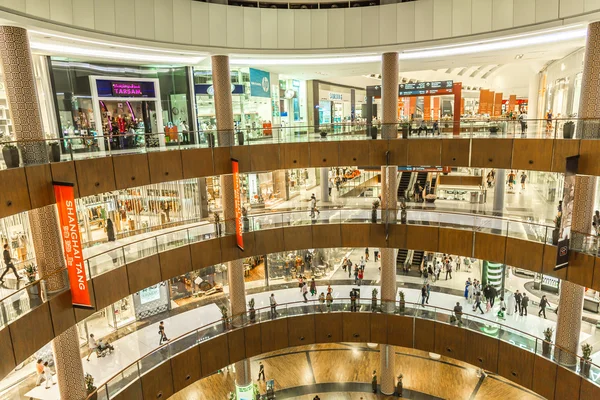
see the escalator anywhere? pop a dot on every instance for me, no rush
(404, 184)
(401, 257)
(422, 178)
(417, 258)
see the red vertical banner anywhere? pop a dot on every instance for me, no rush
(458, 106)
(413, 106)
(427, 108)
(436, 108)
(498, 105)
(491, 98)
(481, 109)
(239, 230)
(512, 102)
(71, 238)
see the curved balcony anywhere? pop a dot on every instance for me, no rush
(116, 273)
(515, 355)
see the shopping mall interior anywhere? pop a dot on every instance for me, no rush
(354, 199)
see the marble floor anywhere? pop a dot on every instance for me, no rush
(344, 371)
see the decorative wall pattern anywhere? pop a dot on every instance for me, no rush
(388, 367)
(48, 246)
(589, 103)
(389, 95)
(568, 325)
(19, 81)
(69, 370)
(223, 99)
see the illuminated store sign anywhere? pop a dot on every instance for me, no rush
(69, 229)
(121, 89)
(425, 88)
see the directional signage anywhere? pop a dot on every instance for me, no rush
(425, 88)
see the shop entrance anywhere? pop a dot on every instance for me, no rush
(125, 109)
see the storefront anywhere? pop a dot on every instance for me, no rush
(16, 233)
(96, 99)
(332, 103)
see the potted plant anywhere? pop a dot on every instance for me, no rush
(403, 213)
(585, 363)
(89, 386)
(374, 299)
(54, 149)
(405, 129)
(430, 198)
(547, 344)
(373, 132)
(30, 272)
(224, 317)
(399, 386)
(494, 129)
(402, 301)
(556, 230)
(323, 133)
(240, 137)
(568, 130)
(252, 312)
(245, 220)
(256, 391)
(374, 211)
(10, 152)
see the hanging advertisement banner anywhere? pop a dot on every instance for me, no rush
(565, 214)
(235, 167)
(69, 229)
(260, 83)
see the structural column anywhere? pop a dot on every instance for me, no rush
(570, 306)
(389, 210)
(235, 269)
(499, 189)
(324, 184)
(19, 81)
(532, 99)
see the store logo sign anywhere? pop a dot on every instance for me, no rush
(335, 96)
(126, 89)
(69, 228)
(260, 84)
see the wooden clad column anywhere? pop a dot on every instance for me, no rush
(19, 81)
(389, 187)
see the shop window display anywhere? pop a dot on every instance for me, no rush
(310, 263)
(15, 231)
(199, 285)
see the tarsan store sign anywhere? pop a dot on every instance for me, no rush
(69, 228)
(235, 167)
(127, 89)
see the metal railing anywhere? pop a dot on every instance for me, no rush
(131, 374)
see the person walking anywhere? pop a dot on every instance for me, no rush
(313, 206)
(448, 269)
(543, 304)
(349, 268)
(524, 304)
(362, 263)
(329, 299)
(39, 370)
(48, 375)
(352, 300)
(478, 303)
(9, 264)
(523, 179)
(596, 222)
(458, 312)
(367, 254)
(355, 275)
(423, 295)
(428, 288)
(518, 305)
(361, 275)
(376, 254)
(305, 292)
(313, 287)
(322, 301)
(273, 304)
(502, 308)
(161, 333)
(467, 284)
(493, 295)
(261, 371)
(92, 345)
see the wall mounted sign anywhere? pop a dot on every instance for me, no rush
(335, 96)
(260, 83)
(208, 89)
(235, 167)
(122, 89)
(108, 88)
(425, 88)
(149, 294)
(69, 229)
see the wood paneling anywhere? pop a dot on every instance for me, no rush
(589, 391)
(524, 254)
(329, 328)
(353, 152)
(327, 235)
(581, 268)
(596, 280)
(544, 377)
(377, 235)
(39, 181)
(143, 273)
(482, 351)
(274, 335)
(133, 391)
(8, 358)
(568, 384)
(222, 160)
(489, 247)
(237, 346)
(456, 152)
(588, 157)
(61, 311)
(131, 170)
(30, 332)
(205, 254)
(253, 340)
(175, 262)
(400, 331)
(95, 175)
(298, 238)
(65, 172)
(242, 154)
(398, 149)
(549, 262)
(214, 354)
(197, 163)
(377, 150)
(111, 287)
(165, 166)
(229, 249)
(532, 154)
(379, 328)
(491, 153)
(356, 235)
(14, 194)
(424, 335)
(460, 180)
(356, 327)
(456, 241)
(424, 152)
(324, 154)
(267, 159)
(515, 364)
(301, 330)
(420, 237)
(268, 241)
(158, 382)
(294, 155)
(563, 148)
(450, 341)
(186, 368)
(397, 237)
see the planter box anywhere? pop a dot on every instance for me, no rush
(11, 156)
